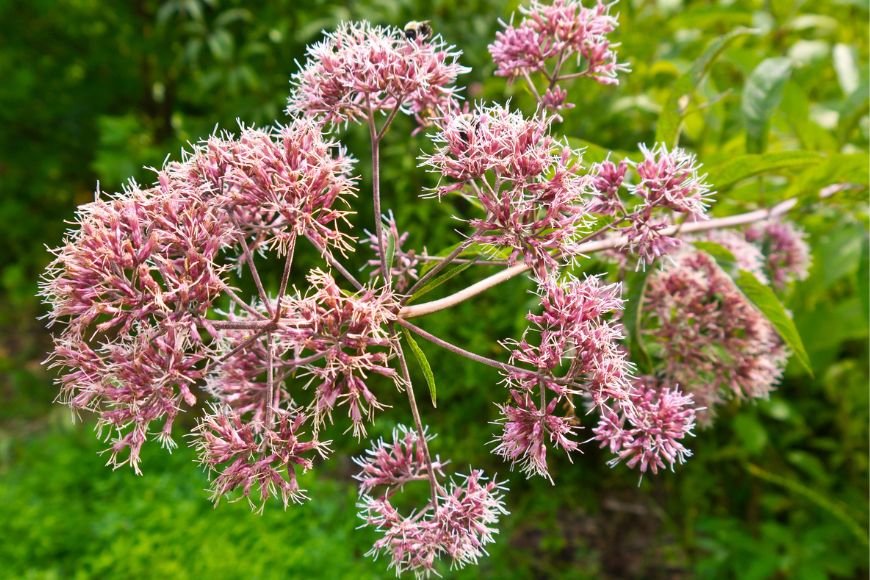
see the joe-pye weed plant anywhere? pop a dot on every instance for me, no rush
(135, 289)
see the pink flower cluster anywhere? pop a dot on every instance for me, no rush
(667, 185)
(128, 287)
(578, 353)
(549, 37)
(277, 183)
(360, 69)
(647, 433)
(257, 459)
(529, 186)
(709, 338)
(146, 288)
(457, 523)
(333, 340)
(134, 283)
(787, 255)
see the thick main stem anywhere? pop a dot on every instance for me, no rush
(376, 197)
(592, 247)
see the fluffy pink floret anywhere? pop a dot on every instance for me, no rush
(647, 432)
(712, 341)
(531, 188)
(458, 526)
(254, 459)
(360, 69)
(670, 179)
(787, 255)
(563, 30)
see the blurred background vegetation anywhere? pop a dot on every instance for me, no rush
(92, 91)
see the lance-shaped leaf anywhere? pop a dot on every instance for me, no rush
(761, 96)
(424, 365)
(674, 109)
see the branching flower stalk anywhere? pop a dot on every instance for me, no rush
(147, 291)
(591, 247)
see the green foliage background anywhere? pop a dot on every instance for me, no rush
(96, 90)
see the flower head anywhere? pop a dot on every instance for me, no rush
(350, 334)
(135, 280)
(786, 253)
(573, 322)
(577, 352)
(667, 186)
(527, 429)
(670, 179)
(257, 459)
(606, 180)
(494, 139)
(394, 463)
(360, 69)
(648, 434)
(529, 186)
(558, 32)
(712, 341)
(282, 183)
(458, 525)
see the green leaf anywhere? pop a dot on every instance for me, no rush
(723, 256)
(441, 254)
(440, 279)
(475, 250)
(737, 168)
(833, 508)
(674, 109)
(593, 153)
(766, 301)
(795, 108)
(839, 168)
(631, 318)
(751, 433)
(863, 285)
(762, 297)
(424, 365)
(852, 111)
(391, 252)
(761, 95)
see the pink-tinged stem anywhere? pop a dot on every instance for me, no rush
(437, 269)
(249, 258)
(388, 122)
(376, 196)
(242, 324)
(506, 367)
(592, 247)
(421, 433)
(241, 303)
(532, 86)
(336, 264)
(571, 76)
(285, 277)
(270, 380)
(243, 345)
